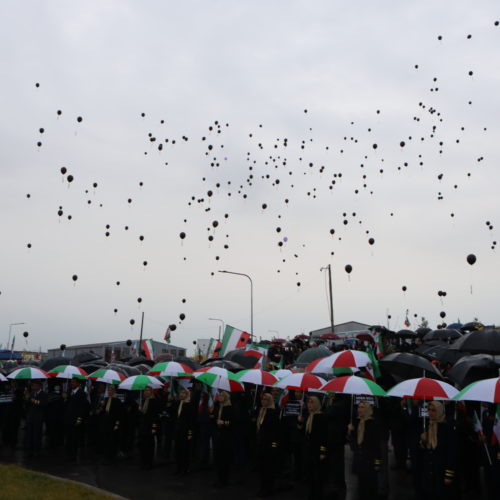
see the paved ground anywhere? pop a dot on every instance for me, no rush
(127, 479)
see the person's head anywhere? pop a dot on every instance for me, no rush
(224, 397)
(148, 392)
(313, 404)
(74, 383)
(275, 391)
(183, 394)
(297, 394)
(365, 409)
(111, 391)
(36, 385)
(436, 411)
(266, 400)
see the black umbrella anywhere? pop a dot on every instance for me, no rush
(126, 370)
(30, 362)
(443, 334)
(422, 348)
(479, 342)
(441, 352)
(93, 366)
(85, 357)
(313, 353)
(423, 331)
(223, 363)
(48, 364)
(406, 334)
(474, 367)
(140, 360)
(405, 365)
(142, 368)
(248, 361)
(472, 326)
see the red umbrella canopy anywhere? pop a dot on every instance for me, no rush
(329, 336)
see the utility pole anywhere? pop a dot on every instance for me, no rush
(140, 339)
(329, 268)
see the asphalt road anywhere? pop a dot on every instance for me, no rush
(125, 478)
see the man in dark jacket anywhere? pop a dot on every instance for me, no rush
(36, 402)
(76, 412)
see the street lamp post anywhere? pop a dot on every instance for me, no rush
(251, 298)
(10, 329)
(222, 321)
(329, 269)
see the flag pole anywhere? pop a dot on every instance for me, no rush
(140, 339)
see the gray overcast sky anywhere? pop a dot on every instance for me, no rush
(255, 66)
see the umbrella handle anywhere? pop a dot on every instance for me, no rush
(352, 406)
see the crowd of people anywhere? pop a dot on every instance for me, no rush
(308, 439)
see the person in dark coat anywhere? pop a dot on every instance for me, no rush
(13, 415)
(36, 403)
(267, 433)
(337, 410)
(130, 424)
(184, 431)
(293, 436)
(54, 415)
(364, 436)
(223, 438)
(75, 415)
(436, 461)
(110, 421)
(97, 391)
(149, 413)
(315, 447)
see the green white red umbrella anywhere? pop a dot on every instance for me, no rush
(354, 385)
(171, 369)
(487, 390)
(139, 383)
(218, 380)
(257, 377)
(342, 359)
(300, 382)
(281, 373)
(27, 373)
(68, 372)
(423, 388)
(107, 376)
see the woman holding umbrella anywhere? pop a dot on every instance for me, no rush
(184, 430)
(110, 422)
(365, 441)
(148, 426)
(267, 430)
(223, 445)
(436, 465)
(315, 429)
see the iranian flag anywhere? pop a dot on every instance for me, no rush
(233, 339)
(166, 338)
(372, 368)
(284, 398)
(478, 427)
(213, 348)
(407, 321)
(379, 345)
(258, 352)
(147, 347)
(495, 438)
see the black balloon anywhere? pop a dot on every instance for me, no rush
(182, 316)
(62, 347)
(129, 342)
(75, 277)
(371, 241)
(348, 269)
(172, 327)
(471, 259)
(442, 314)
(25, 335)
(182, 235)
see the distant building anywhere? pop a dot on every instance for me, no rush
(344, 330)
(110, 351)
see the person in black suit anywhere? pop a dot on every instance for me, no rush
(75, 415)
(437, 456)
(267, 433)
(223, 438)
(315, 428)
(110, 422)
(184, 429)
(36, 403)
(364, 436)
(149, 413)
